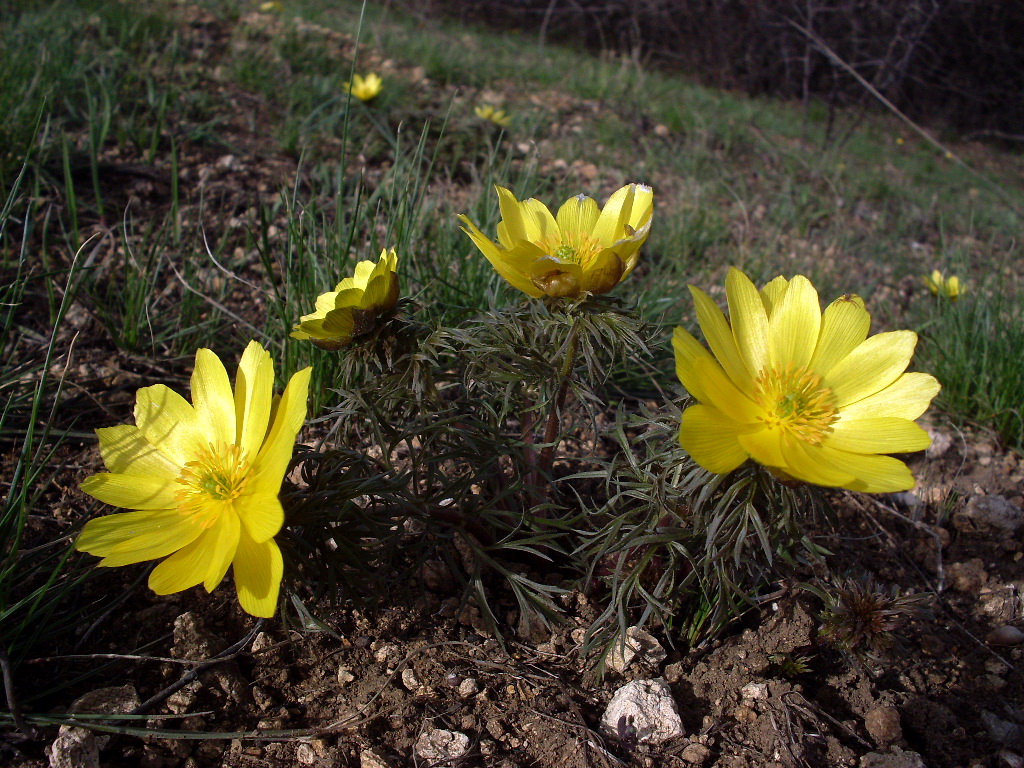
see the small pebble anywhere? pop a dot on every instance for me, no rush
(1005, 635)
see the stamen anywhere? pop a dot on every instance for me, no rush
(794, 401)
(576, 247)
(212, 481)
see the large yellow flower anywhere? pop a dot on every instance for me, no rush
(364, 88)
(352, 308)
(204, 480)
(802, 392)
(582, 250)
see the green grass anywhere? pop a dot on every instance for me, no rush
(103, 99)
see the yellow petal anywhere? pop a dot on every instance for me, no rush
(875, 364)
(794, 324)
(132, 491)
(169, 423)
(556, 278)
(615, 216)
(184, 569)
(773, 292)
(813, 464)
(906, 398)
(764, 447)
(132, 537)
(258, 569)
(272, 460)
(711, 439)
(687, 351)
(497, 257)
(261, 514)
(381, 293)
(602, 273)
(749, 322)
(540, 224)
(844, 325)
(254, 388)
(512, 218)
(877, 435)
(212, 398)
(578, 215)
(222, 542)
(126, 451)
(723, 394)
(721, 340)
(854, 471)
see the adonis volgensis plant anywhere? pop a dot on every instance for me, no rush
(469, 435)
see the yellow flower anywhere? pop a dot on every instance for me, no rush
(204, 480)
(366, 88)
(582, 250)
(496, 116)
(271, 7)
(800, 391)
(939, 285)
(352, 308)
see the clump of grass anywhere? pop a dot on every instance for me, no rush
(973, 347)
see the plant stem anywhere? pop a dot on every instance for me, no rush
(547, 454)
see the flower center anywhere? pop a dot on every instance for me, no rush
(793, 400)
(576, 247)
(212, 481)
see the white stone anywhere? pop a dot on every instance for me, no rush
(441, 746)
(754, 691)
(370, 759)
(992, 512)
(409, 680)
(469, 687)
(647, 707)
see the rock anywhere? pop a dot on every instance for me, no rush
(469, 687)
(754, 692)
(440, 746)
(409, 680)
(897, 758)
(79, 747)
(883, 725)
(1010, 759)
(1003, 731)
(990, 514)
(305, 755)
(370, 759)
(648, 707)
(640, 646)
(968, 576)
(345, 676)
(1005, 635)
(696, 754)
(941, 443)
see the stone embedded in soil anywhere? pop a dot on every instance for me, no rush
(639, 646)
(989, 514)
(370, 759)
(644, 708)
(440, 746)
(469, 687)
(1005, 635)
(1003, 731)
(897, 758)
(969, 576)
(883, 725)
(79, 747)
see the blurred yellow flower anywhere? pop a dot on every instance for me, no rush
(496, 116)
(582, 250)
(203, 479)
(802, 392)
(352, 308)
(271, 7)
(950, 288)
(364, 88)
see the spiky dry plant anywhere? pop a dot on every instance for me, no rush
(864, 619)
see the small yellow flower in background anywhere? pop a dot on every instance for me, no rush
(582, 250)
(352, 308)
(496, 116)
(364, 88)
(940, 285)
(271, 7)
(803, 392)
(899, 140)
(203, 479)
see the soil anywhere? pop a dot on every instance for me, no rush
(362, 686)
